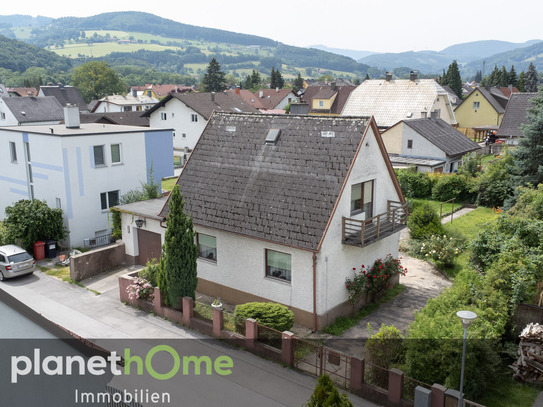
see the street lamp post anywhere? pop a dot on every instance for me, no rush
(467, 318)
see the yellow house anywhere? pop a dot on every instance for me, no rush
(327, 100)
(484, 106)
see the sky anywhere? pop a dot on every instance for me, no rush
(382, 26)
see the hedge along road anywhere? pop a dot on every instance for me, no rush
(422, 282)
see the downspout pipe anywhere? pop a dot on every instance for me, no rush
(314, 291)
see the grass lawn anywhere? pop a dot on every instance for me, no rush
(468, 225)
(436, 205)
(168, 184)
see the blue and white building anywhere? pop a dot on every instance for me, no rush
(82, 168)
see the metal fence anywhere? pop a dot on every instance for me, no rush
(99, 241)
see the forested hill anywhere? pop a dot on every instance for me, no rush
(18, 56)
(137, 21)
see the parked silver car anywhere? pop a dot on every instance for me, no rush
(15, 261)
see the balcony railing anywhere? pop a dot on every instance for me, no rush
(363, 232)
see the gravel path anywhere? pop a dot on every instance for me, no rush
(423, 282)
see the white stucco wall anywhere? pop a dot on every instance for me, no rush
(336, 260)
(63, 167)
(178, 117)
(443, 103)
(241, 264)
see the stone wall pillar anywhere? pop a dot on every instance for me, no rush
(395, 386)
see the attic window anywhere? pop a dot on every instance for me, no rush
(328, 134)
(23, 113)
(410, 114)
(273, 136)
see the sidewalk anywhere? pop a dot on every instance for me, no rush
(254, 381)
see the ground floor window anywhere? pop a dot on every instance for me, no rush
(278, 265)
(207, 247)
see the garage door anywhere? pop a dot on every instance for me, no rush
(150, 246)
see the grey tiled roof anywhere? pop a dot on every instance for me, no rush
(515, 114)
(284, 193)
(33, 109)
(443, 135)
(205, 103)
(124, 118)
(65, 95)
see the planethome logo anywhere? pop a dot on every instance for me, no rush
(51, 365)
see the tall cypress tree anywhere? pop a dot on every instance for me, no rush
(503, 77)
(178, 275)
(214, 79)
(531, 80)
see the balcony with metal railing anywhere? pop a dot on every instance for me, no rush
(361, 233)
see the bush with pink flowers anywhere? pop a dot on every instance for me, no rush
(375, 279)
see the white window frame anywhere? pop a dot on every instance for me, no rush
(206, 252)
(476, 105)
(194, 118)
(103, 164)
(105, 199)
(362, 203)
(13, 151)
(282, 274)
(120, 154)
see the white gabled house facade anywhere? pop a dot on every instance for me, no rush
(264, 254)
(186, 122)
(83, 170)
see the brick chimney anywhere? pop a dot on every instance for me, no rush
(212, 96)
(388, 76)
(413, 75)
(238, 92)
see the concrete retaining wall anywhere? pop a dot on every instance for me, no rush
(89, 264)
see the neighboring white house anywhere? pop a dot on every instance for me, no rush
(83, 169)
(429, 144)
(278, 203)
(124, 103)
(391, 100)
(188, 113)
(19, 111)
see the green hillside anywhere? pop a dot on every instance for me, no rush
(18, 56)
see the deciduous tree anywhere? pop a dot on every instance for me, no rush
(96, 79)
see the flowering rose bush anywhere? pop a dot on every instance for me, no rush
(140, 288)
(375, 279)
(440, 249)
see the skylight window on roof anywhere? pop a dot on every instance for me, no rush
(328, 134)
(237, 109)
(230, 129)
(273, 136)
(23, 113)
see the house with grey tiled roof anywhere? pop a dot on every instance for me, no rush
(284, 207)
(429, 144)
(275, 99)
(16, 111)
(188, 113)
(484, 106)
(328, 99)
(515, 116)
(66, 95)
(391, 100)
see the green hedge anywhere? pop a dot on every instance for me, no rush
(272, 315)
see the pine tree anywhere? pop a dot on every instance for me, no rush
(453, 78)
(298, 83)
(528, 155)
(367, 77)
(478, 77)
(326, 395)
(280, 80)
(513, 79)
(214, 79)
(521, 86)
(178, 272)
(531, 80)
(502, 78)
(273, 79)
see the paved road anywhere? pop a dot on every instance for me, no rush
(253, 382)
